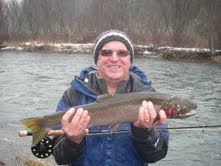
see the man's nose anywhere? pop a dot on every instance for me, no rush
(114, 56)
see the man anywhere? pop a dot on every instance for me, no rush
(113, 56)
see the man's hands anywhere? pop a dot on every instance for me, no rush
(147, 116)
(74, 124)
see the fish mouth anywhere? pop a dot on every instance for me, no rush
(187, 114)
(191, 113)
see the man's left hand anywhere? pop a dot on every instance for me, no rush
(147, 116)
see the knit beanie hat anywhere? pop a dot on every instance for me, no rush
(112, 35)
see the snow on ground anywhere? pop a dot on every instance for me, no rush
(11, 48)
(184, 49)
(88, 47)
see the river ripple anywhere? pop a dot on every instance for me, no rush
(32, 83)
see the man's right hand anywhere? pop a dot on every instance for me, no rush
(74, 124)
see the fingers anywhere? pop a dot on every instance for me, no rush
(147, 115)
(143, 117)
(152, 113)
(78, 118)
(163, 117)
(74, 124)
(66, 118)
(81, 119)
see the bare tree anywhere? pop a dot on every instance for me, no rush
(214, 27)
(211, 13)
(155, 21)
(1, 17)
(181, 14)
(218, 24)
(1, 24)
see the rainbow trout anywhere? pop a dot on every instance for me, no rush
(110, 110)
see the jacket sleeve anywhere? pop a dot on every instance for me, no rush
(69, 99)
(65, 151)
(152, 145)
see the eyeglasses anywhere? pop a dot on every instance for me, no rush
(120, 53)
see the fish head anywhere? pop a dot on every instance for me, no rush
(177, 107)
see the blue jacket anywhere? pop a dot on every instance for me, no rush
(134, 147)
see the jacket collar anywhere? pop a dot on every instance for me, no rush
(91, 85)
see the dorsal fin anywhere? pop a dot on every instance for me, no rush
(101, 98)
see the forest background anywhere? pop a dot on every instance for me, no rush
(176, 23)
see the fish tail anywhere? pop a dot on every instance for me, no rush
(38, 127)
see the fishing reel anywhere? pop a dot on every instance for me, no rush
(44, 148)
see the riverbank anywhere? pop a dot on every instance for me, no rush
(166, 52)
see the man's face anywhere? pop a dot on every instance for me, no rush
(114, 61)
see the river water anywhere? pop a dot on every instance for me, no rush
(32, 83)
